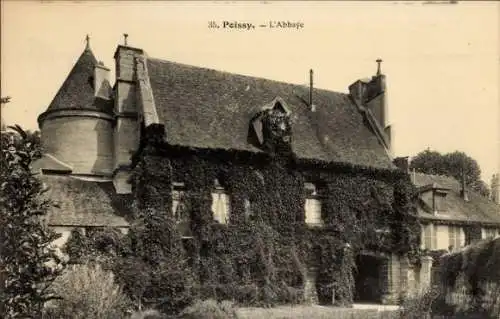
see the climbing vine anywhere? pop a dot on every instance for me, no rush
(262, 255)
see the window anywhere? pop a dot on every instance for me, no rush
(429, 237)
(489, 233)
(455, 240)
(221, 204)
(312, 205)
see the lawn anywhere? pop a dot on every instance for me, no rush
(314, 312)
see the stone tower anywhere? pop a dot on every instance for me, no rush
(77, 127)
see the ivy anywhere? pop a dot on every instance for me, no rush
(262, 255)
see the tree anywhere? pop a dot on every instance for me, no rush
(495, 184)
(456, 164)
(28, 263)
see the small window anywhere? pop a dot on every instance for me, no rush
(221, 204)
(455, 240)
(489, 233)
(312, 205)
(429, 237)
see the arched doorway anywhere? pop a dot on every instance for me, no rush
(369, 278)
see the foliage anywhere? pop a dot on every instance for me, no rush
(153, 268)
(420, 305)
(476, 270)
(28, 264)
(495, 184)
(97, 244)
(451, 164)
(262, 255)
(88, 292)
(164, 280)
(209, 309)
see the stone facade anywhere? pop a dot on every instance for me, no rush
(83, 141)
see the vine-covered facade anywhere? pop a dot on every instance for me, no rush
(279, 192)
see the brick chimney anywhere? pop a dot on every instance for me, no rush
(126, 134)
(372, 95)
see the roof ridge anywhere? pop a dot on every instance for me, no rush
(242, 75)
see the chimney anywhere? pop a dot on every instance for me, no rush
(311, 88)
(402, 163)
(372, 94)
(126, 134)
(463, 191)
(102, 87)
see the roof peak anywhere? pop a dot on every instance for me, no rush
(77, 90)
(87, 43)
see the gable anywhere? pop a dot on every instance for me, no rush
(205, 108)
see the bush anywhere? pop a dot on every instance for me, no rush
(420, 305)
(88, 292)
(209, 309)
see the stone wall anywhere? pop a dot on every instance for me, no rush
(84, 141)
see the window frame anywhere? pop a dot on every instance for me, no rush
(218, 190)
(429, 236)
(454, 237)
(313, 195)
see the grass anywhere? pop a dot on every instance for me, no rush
(314, 312)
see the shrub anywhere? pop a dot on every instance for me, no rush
(420, 305)
(209, 309)
(88, 292)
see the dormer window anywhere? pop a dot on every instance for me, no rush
(435, 197)
(439, 200)
(312, 205)
(271, 127)
(221, 203)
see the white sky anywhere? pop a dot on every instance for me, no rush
(442, 61)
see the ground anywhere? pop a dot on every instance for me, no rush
(359, 311)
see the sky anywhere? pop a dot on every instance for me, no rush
(442, 61)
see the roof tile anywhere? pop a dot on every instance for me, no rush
(206, 108)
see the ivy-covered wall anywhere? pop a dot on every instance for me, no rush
(261, 256)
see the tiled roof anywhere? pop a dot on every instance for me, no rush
(77, 91)
(85, 203)
(206, 108)
(455, 208)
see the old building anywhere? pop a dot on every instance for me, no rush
(451, 214)
(92, 130)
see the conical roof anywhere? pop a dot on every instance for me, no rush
(77, 91)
